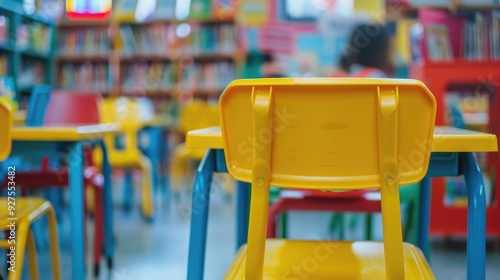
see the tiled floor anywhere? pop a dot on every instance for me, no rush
(160, 250)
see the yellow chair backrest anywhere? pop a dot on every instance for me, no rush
(6, 117)
(198, 114)
(327, 134)
(125, 111)
(324, 133)
(121, 110)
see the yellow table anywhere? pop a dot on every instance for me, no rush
(451, 148)
(27, 140)
(446, 139)
(63, 133)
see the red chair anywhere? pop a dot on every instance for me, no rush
(75, 108)
(348, 201)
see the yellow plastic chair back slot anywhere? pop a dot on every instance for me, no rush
(198, 114)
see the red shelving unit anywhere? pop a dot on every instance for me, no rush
(439, 77)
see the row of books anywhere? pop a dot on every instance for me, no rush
(156, 39)
(32, 73)
(4, 28)
(88, 41)
(35, 36)
(482, 36)
(87, 76)
(166, 9)
(210, 39)
(474, 36)
(4, 66)
(147, 76)
(207, 76)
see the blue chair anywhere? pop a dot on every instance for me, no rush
(39, 100)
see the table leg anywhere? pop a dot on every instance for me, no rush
(424, 216)
(128, 190)
(109, 244)
(164, 156)
(476, 217)
(199, 216)
(242, 212)
(75, 163)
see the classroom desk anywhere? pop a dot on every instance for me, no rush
(452, 155)
(26, 140)
(155, 147)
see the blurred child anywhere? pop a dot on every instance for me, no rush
(263, 65)
(367, 54)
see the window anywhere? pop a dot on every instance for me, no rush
(312, 9)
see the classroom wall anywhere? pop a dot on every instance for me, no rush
(315, 45)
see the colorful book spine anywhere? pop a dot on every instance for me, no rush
(89, 41)
(208, 76)
(4, 66)
(32, 72)
(481, 36)
(85, 76)
(4, 28)
(35, 36)
(144, 76)
(211, 40)
(154, 39)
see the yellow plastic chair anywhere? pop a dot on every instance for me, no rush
(17, 215)
(194, 115)
(327, 134)
(126, 112)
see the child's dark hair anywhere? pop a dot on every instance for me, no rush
(368, 47)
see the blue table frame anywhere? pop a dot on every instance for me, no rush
(455, 164)
(441, 164)
(157, 152)
(75, 160)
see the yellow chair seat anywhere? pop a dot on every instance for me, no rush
(322, 260)
(119, 159)
(124, 160)
(25, 208)
(190, 153)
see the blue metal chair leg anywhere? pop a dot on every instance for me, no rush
(476, 217)
(242, 212)
(109, 243)
(164, 153)
(199, 216)
(75, 164)
(128, 190)
(424, 216)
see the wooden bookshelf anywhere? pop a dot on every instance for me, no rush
(83, 58)
(118, 60)
(67, 23)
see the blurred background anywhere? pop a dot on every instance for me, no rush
(173, 59)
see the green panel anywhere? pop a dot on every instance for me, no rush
(200, 9)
